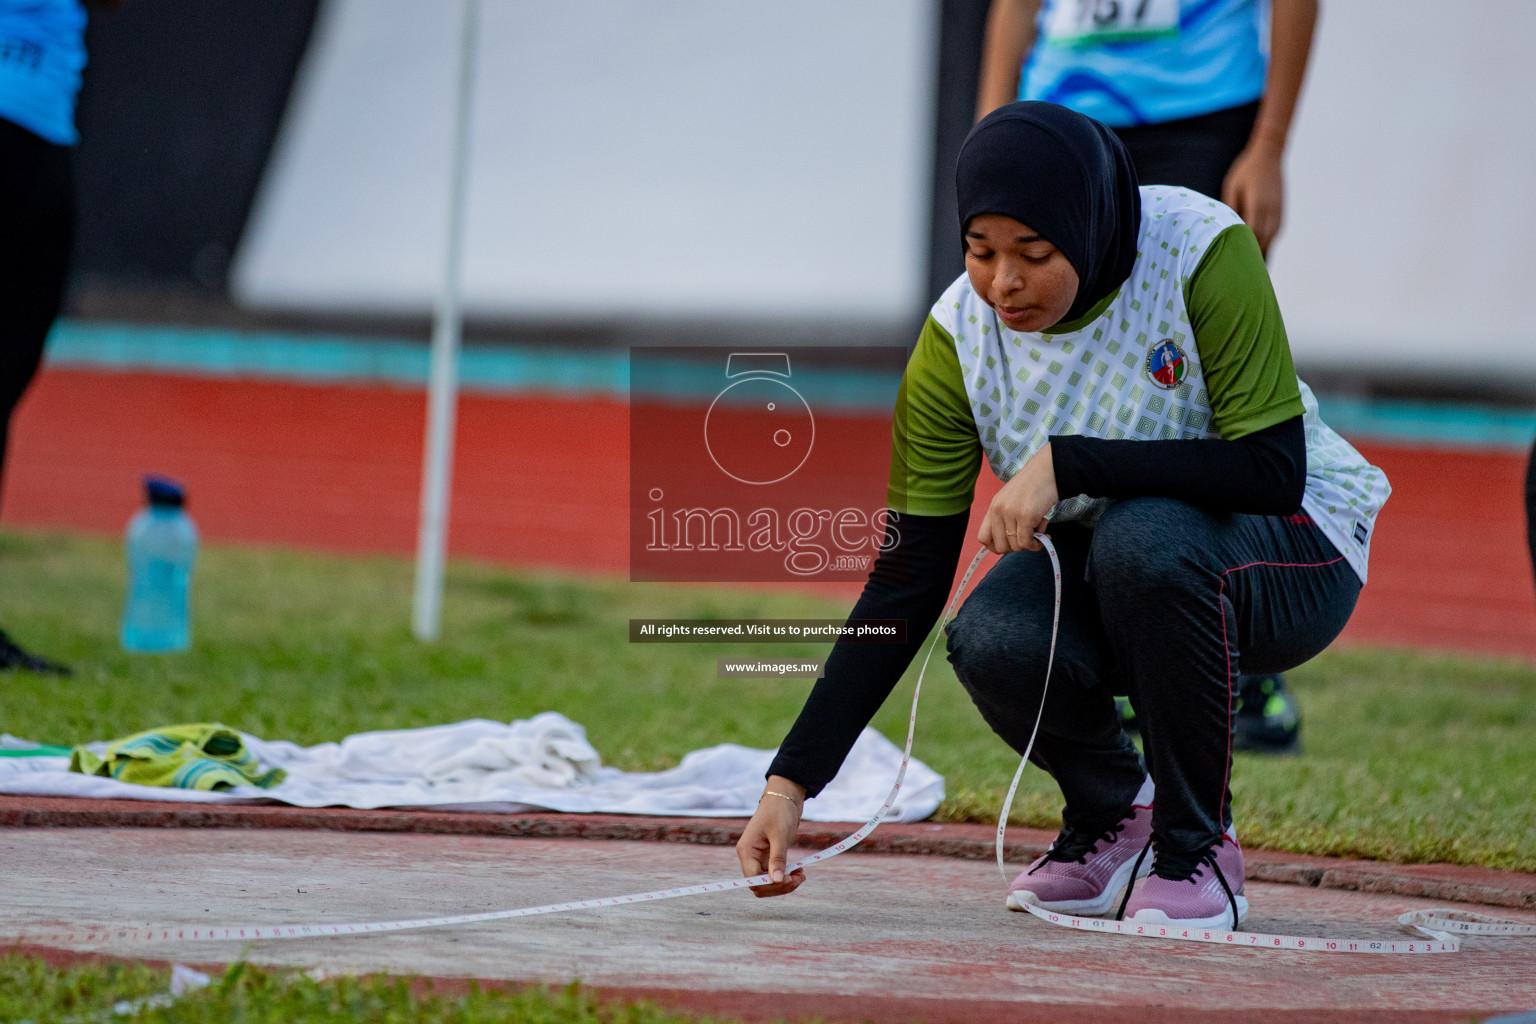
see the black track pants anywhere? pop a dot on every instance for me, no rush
(1163, 601)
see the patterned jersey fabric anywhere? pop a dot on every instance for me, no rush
(1134, 368)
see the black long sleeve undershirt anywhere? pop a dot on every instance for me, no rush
(1264, 473)
(1261, 474)
(910, 581)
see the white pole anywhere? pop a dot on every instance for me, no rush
(443, 387)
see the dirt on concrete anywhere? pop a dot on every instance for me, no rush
(972, 842)
(895, 937)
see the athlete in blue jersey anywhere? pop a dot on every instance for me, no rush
(1186, 84)
(1188, 87)
(42, 52)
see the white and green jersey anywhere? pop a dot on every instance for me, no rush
(1191, 346)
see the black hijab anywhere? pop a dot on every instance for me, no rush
(1066, 176)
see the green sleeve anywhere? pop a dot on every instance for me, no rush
(935, 451)
(1244, 353)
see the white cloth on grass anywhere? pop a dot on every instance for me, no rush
(544, 762)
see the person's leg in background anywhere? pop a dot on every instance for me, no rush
(37, 207)
(1530, 507)
(1196, 153)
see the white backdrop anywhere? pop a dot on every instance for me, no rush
(664, 157)
(690, 158)
(1412, 200)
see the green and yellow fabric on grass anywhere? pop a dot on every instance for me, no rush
(1409, 756)
(201, 756)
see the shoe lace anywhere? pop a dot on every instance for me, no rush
(1176, 866)
(1179, 867)
(1074, 846)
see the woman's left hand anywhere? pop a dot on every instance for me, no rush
(1255, 190)
(1018, 510)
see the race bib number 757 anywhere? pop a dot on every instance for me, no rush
(1091, 22)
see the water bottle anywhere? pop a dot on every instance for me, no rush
(162, 547)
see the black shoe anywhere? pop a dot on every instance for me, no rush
(12, 656)
(1127, 714)
(1268, 717)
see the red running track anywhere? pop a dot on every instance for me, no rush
(543, 481)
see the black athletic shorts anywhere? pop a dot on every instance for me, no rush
(1195, 152)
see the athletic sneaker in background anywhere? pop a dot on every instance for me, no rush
(1267, 718)
(42, 52)
(1202, 93)
(13, 657)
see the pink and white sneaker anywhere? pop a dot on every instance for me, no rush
(1202, 890)
(1081, 873)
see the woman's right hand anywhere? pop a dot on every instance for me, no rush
(764, 847)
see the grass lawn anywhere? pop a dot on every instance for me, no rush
(1409, 757)
(31, 990)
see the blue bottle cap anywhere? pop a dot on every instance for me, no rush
(164, 492)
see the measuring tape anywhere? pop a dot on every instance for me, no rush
(1433, 925)
(1436, 925)
(237, 933)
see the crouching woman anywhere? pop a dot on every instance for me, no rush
(1117, 356)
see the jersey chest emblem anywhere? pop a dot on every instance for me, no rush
(1167, 365)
